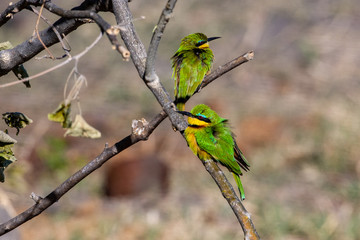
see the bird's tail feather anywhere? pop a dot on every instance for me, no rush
(240, 186)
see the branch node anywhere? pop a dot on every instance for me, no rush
(113, 30)
(124, 52)
(168, 16)
(106, 145)
(35, 197)
(249, 55)
(170, 105)
(139, 129)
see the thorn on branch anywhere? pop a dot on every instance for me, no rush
(139, 129)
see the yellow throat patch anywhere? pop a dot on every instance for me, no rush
(197, 122)
(205, 45)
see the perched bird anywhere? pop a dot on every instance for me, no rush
(209, 137)
(191, 62)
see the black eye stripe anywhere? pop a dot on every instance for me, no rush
(198, 44)
(203, 119)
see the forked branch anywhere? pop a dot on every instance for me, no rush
(70, 21)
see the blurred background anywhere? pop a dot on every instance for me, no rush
(295, 110)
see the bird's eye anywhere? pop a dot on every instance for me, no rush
(203, 118)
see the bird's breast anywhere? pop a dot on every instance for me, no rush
(192, 142)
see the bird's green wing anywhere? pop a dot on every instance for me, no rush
(189, 70)
(190, 74)
(220, 147)
(222, 150)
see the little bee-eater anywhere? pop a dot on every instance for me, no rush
(209, 137)
(191, 62)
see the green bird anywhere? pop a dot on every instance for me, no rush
(209, 137)
(191, 62)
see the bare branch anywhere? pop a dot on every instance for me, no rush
(44, 203)
(138, 55)
(227, 67)
(104, 26)
(37, 31)
(76, 58)
(11, 10)
(65, 48)
(156, 37)
(28, 49)
(228, 192)
(132, 41)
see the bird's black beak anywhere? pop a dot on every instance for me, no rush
(185, 113)
(194, 116)
(212, 38)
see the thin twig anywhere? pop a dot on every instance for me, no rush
(23, 52)
(110, 31)
(156, 37)
(64, 47)
(227, 67)
(37, 32)
(11, 10)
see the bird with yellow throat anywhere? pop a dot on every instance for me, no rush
(209, 137)
(191, 62)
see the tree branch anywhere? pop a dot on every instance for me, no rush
(221, 70)
(25, 51)
(54, 196)
(110, 31)
(132, 41)
(227, 67)
(138, 54)
(228, 192)
(11, 10)
(64, 47)
(75, 58)
(156, 37)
